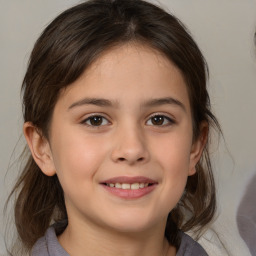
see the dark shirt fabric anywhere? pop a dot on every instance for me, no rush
(49, 246)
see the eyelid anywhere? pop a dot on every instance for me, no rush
(171, 120)
(88, 116)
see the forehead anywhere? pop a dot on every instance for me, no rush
(130, 70)
(128, 57)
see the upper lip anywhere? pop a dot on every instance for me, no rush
(129, 180)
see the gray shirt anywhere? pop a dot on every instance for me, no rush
(49, 246)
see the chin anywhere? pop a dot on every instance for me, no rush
(130, 222)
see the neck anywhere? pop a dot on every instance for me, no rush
(80, 240)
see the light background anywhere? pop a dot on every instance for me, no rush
(223, 30)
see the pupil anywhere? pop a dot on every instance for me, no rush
(96, 120)
(158, 120)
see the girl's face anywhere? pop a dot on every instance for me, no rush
(121, 141)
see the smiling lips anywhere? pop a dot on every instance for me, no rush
(132, 186)
(129, 187)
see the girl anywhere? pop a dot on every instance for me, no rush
(116, 117)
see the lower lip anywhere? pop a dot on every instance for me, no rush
(130, 193)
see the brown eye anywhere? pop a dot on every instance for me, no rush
(159, 120)
(96, 121)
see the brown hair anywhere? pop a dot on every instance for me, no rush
(65, 49)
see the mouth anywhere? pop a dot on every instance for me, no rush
(133, 186)
(129, 187)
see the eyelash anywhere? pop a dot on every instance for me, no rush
(166, 121)
(90, 119)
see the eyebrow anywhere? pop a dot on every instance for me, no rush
(100, 102)
(92, 101)
(164, 101)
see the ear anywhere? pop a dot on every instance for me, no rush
(40, 149)
(198, 147)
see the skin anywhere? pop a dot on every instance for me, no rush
(128, 142)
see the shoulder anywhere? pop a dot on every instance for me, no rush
(48, 245)
(189, 247)
(40, 248)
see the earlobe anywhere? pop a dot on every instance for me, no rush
(198, 147)
(40, 149)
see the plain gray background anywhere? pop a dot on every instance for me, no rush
(223, 30)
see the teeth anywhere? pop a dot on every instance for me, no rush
(118, 185)
(135, 185)
(126, 186)
(132, 186)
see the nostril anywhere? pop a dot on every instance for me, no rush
(122, 159)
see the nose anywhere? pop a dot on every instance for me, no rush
(130, 146)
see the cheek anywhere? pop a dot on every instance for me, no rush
(173, 153)
(77, 162)
(174, 158)
(77, 159)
